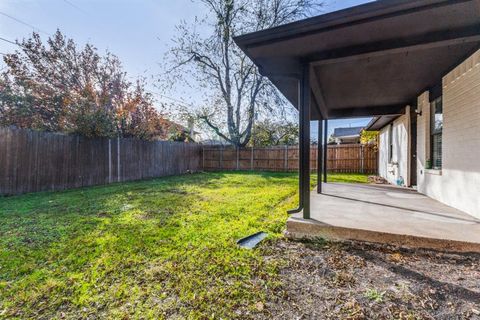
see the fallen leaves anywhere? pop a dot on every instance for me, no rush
(364, 281)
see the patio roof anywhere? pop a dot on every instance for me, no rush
(367, 60)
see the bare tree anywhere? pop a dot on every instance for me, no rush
(234, 92)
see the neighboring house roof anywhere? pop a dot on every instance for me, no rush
(169, 127)
(347, 132)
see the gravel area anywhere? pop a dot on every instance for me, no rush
(323, 280)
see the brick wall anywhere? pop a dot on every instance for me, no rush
(458, 183)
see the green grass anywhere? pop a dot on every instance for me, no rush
(151, 249)
(374, 295)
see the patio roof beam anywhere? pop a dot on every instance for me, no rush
(392, 46)
(280, 68)
(367, 111)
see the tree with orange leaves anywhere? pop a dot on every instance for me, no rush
(60, 87)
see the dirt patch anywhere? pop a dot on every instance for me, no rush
(322, 280)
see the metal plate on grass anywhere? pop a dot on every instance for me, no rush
(252, 241)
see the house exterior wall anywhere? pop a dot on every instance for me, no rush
(458, 183)
(397, 169)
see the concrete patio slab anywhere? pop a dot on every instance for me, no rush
(386, 214)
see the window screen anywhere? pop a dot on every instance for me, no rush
(436, 132)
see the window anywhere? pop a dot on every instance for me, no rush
(436, 126)
(390, 143)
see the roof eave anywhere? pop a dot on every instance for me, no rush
(344, 137)
(371, 123)
(330, 20)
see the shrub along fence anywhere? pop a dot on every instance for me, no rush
(350, 158)
(39, 161)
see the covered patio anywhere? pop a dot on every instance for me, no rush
(369, 60)
(386, 214)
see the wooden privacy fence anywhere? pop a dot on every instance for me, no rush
(38, 161)
(350, 158)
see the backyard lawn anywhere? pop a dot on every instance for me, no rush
(166, 248)
(158, 248)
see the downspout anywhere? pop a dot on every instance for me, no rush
(325, 153)
(320, 156)
(300, 138)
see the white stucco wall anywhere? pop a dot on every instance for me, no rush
(458, 183)
(398, 167)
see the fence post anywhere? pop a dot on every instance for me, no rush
(238, 156)
(251, 160)
(109, 160)
(362, 155)
(203, 157)
(118, 158)
(286, 158)
(221, 157)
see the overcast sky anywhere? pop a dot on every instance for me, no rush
(137, 31)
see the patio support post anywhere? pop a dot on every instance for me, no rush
(305, 140)
(304, 101)
(319, 156)
(325, 152)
